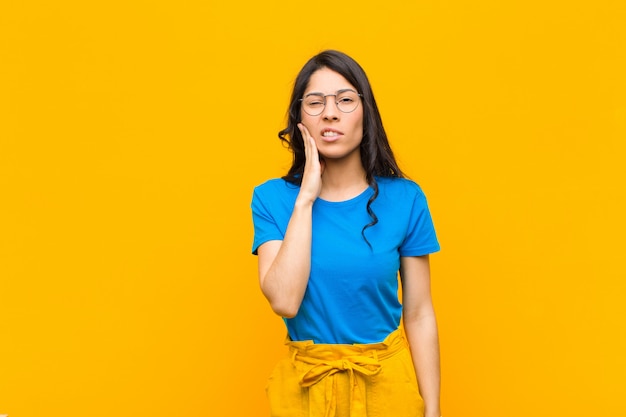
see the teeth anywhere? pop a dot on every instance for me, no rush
(327, 134)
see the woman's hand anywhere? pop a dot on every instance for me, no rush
(311, 186)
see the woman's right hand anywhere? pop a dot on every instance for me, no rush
(311, 186)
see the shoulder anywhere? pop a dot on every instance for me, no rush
(275, 189)
(399, 188)
(276, 185)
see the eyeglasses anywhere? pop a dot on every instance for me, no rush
(347, 101)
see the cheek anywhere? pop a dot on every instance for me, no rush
(305, 118)
(308, 122)
(358, 125)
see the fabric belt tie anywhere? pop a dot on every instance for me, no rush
(325, 369)
(320, 365)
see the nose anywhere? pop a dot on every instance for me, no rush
(331, 111)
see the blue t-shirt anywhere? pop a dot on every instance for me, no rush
(352, 293)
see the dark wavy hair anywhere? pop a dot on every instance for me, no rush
(376, 154)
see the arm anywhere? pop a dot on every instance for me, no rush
(285, 266)
(420, 326)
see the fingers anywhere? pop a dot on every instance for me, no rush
(310, 148)
(311, 185)
(322, 165)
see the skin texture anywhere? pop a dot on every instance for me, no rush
(420, 326)
(334, 172)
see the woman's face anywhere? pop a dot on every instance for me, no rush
(337, 134)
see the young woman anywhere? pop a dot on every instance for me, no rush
(331, 237)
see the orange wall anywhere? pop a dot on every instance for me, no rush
(132, 133)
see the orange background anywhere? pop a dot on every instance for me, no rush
(132, 134)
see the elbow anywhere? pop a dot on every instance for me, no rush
(285, 302)
(285, 309)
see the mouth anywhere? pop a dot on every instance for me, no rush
(330, 133)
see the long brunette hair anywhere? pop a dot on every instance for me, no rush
(376, 154)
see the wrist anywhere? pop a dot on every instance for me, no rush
(433, 413)
(304, 202)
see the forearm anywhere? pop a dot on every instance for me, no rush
(285, 282)
(423, 339)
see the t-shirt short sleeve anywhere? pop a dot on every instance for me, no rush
(421, 238)
(272, 204)
(265, 227)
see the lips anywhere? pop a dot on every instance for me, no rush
(330, 133)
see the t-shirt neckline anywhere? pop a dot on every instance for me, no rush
(364, 194)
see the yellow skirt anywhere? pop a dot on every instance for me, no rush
(360, 380)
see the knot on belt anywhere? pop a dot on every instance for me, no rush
(322, 369)
(363, 365)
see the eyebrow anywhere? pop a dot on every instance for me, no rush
(318, 93)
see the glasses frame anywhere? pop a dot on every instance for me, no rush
(323, 96)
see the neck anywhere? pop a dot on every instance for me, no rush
(343, 179)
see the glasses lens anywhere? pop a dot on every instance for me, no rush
(347, 101)
(313, 104)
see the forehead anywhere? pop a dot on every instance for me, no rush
(327, 81)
